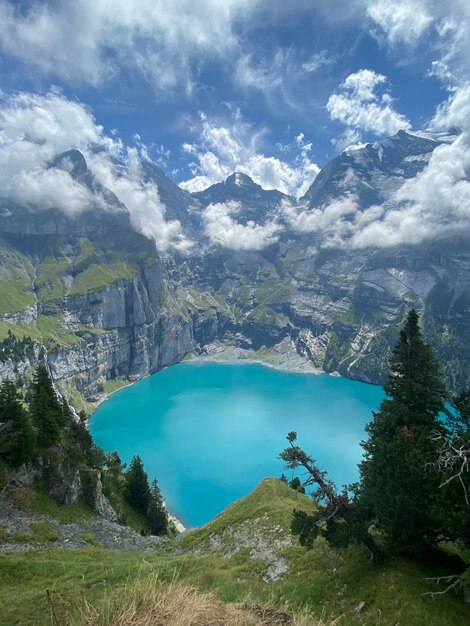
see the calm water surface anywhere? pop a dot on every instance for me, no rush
(210, 432)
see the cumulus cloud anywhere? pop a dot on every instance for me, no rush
(342, 223)
(360, 106)
(221, 150)
(437, 200)
(433, 204)
(34, 129)
(454, 113)
(221, 227)
(88, 41)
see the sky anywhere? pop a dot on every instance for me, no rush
(270, 88)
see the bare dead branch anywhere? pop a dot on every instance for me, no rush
(454, 457)
(455, 581)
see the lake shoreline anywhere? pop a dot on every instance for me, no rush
(282, 357)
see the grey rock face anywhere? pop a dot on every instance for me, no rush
(66, 487)
(23, 476)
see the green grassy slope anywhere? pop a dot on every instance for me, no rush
(228, 556)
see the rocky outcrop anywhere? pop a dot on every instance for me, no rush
(65, 486)
(98, 500)
(23, 476)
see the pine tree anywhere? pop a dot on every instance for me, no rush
(398, 488)
(78, 428)
(17, 445)
(46, 410)
(138, 490)
(156, 515)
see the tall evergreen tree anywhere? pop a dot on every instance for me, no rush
(46, 410)
(398, 489)
(138, 490)
(156, 515)
(17, 445)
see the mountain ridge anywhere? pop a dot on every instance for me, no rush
(109, 307)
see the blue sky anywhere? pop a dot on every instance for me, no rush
(212, 86)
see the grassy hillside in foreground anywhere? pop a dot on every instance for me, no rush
(231, 557)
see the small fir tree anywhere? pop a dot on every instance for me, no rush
(18, 438)
(157, 516)
(46, 410)
(138, 490)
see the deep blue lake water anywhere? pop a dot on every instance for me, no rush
(210, 432)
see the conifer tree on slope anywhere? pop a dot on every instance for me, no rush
(45, 408)
(138, 490)
(17, 443)
(156, 515)
(398, 489)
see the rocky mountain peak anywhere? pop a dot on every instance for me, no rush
(372, 172)
(71, 161)
(238, 179)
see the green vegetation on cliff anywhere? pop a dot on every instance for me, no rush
(40, 433)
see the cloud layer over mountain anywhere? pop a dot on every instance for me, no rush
(34, 129)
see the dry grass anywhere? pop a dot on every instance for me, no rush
(149, 602)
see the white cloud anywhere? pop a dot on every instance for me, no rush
(316, 61)
(432, 204)
(326, 219)
(283, 76)
(34, 129)
(349, 139)
(263, 76)
(443, 27)
(222, 228)
(359, 106)
(221, 150)
(401, 21)
(51, 188)
(437, 200)
(141, 199)
(89, 41)
(454, 112)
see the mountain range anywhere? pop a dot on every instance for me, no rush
(255, 274)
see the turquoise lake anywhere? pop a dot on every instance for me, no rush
(210, 432)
